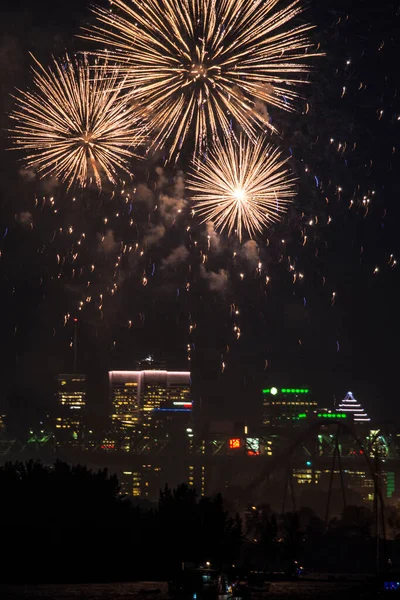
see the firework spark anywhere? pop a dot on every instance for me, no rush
(198, 65)
(250, 182)
(76, 125)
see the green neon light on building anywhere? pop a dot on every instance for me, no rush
(332, 416)
(300, 416)
(390, 484)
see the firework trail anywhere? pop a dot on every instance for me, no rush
(250, 182)
(76, 125)
(195, 66)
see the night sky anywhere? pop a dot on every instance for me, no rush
(335, 329)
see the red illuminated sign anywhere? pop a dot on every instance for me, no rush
(234, 443)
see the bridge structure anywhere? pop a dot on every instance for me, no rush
(324, 453)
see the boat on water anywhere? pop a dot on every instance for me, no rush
(212, 584)
(253, 586)
(199, 584)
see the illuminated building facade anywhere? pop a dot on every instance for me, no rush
(350, 405)
(166, 406)
(165, 390)
(197, 478)
(283, 405)
(143, 481)
(124, 395)
(359, 480)
(147, 479)
(150, 404)
(71, 400)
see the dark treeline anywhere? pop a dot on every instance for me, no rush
(345, 545)
(70, 524)
(64, 523)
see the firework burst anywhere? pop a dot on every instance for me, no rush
(242, 186)
(198, 65)
(76, 125)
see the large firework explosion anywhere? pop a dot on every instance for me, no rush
(197, 67)
(76, 125)
(242, 186)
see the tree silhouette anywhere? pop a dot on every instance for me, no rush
(70, 523)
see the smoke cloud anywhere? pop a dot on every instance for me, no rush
(212, 235)
(25, 218)
(154, 234)
(49, 185)
(250, 252)
(107, 243)
(177, 256)
(217, 282)
(144, 194)
(162, 179)
(173, 203)
(27, 174)
(260, 108)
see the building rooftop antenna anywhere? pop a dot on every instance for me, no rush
(75, 365)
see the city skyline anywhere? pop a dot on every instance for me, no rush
(152, 437)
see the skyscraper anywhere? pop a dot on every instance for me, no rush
(71, 400)
(350, 405)
(124, 396)
(149, 400)
(165, 406)
(283, 405)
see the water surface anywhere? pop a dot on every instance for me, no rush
(158, 591)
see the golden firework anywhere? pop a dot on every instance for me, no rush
(242, 186)
(77, 124)
(200, 66)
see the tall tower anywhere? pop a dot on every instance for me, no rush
(75, 342)
(350, 405)
(71, 400)
(143, 401)
(124, 396)
(286, 405)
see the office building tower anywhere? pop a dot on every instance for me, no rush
(144, 481)
(350, 406)
(124, 396)
(165, 406)
(284, 405)
(165, 391)
(71, 401)
(149, 403)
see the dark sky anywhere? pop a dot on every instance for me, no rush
(292, 334)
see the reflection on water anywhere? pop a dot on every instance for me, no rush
(101, 591)
(158, 591)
